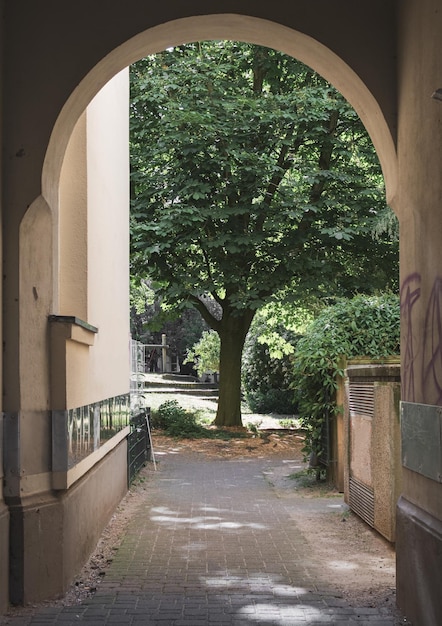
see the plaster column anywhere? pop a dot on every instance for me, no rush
(419, 530)
(4, 513)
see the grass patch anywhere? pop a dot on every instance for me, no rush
(289, 423)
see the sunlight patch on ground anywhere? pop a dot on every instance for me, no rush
(285, 591)
(169, 451)
(194, 546)
(255, 583)
(204, 523)
(342, 565)
(283, 615)
(162, 515)
(291, 461)
(265, 614)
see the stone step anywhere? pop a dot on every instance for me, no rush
(180, 378)
(212, 393)
(174, 381)
(178, 385)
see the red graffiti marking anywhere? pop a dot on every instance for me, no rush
(410, 293)
(432, 348)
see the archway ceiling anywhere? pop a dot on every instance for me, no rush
(344, 48)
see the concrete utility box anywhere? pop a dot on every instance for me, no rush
(372, 467)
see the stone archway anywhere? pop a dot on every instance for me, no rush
(384, 58)
(263, 32)
(155, 39)
(242, 28)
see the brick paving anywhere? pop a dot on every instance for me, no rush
(212, 545)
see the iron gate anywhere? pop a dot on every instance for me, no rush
(138, 444)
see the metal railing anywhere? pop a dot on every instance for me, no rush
(139, 446)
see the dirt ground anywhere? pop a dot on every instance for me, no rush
(358, 560)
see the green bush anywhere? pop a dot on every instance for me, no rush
(279, 401)
(205, 353)
(266, 378)
(364, 326)
(176, 421)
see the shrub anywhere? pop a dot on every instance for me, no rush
(205, 353)
(266, 378)
(364, 326)
(280, 401)
(176, 421)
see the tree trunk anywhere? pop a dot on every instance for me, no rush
(232, 336)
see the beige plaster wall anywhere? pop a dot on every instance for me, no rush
(374, 442)
(36, 284)
(28, 431)
(361, 449)
(72, 226)
(94, 246)
(386, 457)
(63, 365)
(108, 236)
(419, 528)
(420, 158)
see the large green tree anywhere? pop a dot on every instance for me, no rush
(250, 174)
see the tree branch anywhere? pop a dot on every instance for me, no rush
(324, 164)
(283, 164)
(205, 313)
(325, 157)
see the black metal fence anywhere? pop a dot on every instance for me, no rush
(139, 449)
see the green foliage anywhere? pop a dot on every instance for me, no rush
(279, 401)
(364, 326)
(149, 321)
(267, 366)
(140, 295)
(250, 174)
(287, 313)
(205, 353)
(176, 421)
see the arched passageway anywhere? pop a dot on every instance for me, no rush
(359, 58)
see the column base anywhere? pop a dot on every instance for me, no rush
(53, 534)
(418, 564)
(4, 557)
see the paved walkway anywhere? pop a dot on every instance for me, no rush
(212, 544)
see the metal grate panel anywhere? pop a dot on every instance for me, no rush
(361, 399)
(362, 501)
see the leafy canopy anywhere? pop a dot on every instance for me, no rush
(251, 178)
(250, 174)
